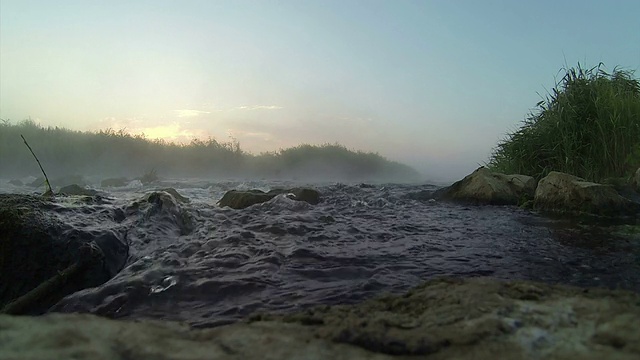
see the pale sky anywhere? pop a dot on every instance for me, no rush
(433, 84)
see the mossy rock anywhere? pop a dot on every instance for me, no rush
(486, 187)
(565, 193)
(240, 199)
(237, 199)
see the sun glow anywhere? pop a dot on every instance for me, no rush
(170, 133)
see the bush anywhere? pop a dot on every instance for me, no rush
(588, 126)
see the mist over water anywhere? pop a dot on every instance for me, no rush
(206, 265)
(107, 153)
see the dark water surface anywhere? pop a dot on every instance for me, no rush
(206, 265)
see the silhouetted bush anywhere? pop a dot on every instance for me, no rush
(589, 126)
(111, 153)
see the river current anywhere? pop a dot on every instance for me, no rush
(205, 265)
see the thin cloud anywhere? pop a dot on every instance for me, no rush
(258, 107)
(182, 113)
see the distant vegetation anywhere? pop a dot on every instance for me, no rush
(110, 153)
(588, 126)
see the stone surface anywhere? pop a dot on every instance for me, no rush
(636, 181)
(475, 318)
(567, 193)
(240, 199)
(486, 187)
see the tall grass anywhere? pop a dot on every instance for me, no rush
(110, 153)
(588, 126)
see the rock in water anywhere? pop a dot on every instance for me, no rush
(486, 187)
(75, 189)
(300, 194)
(567, 193)
(237, 199)
(476, 318)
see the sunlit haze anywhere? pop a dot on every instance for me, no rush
(433, 84)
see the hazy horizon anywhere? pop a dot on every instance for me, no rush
(431, 84)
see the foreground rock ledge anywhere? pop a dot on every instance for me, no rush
(476, 318)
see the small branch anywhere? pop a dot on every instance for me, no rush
(46, 179)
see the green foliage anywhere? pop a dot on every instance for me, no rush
(588, 126)
(111, 153)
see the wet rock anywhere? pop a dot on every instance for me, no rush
(486, 187)
(75, 189)
(300, 194)
(16, 182)
(114, 182)
(567, 193)
(482, 318)
(35, 246)
(162, 204)
(175, 195)
(237, 199)
(476, 318)
(636, 181)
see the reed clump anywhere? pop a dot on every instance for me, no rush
(588, 126)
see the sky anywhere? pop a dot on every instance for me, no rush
(433, 84)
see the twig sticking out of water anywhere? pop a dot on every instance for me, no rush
(49, 192)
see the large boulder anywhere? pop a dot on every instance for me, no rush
(240, 199)
(36, 248)
(476, 318)
(562, 192)
(486, 187)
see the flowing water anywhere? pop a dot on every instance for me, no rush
(206, 265)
